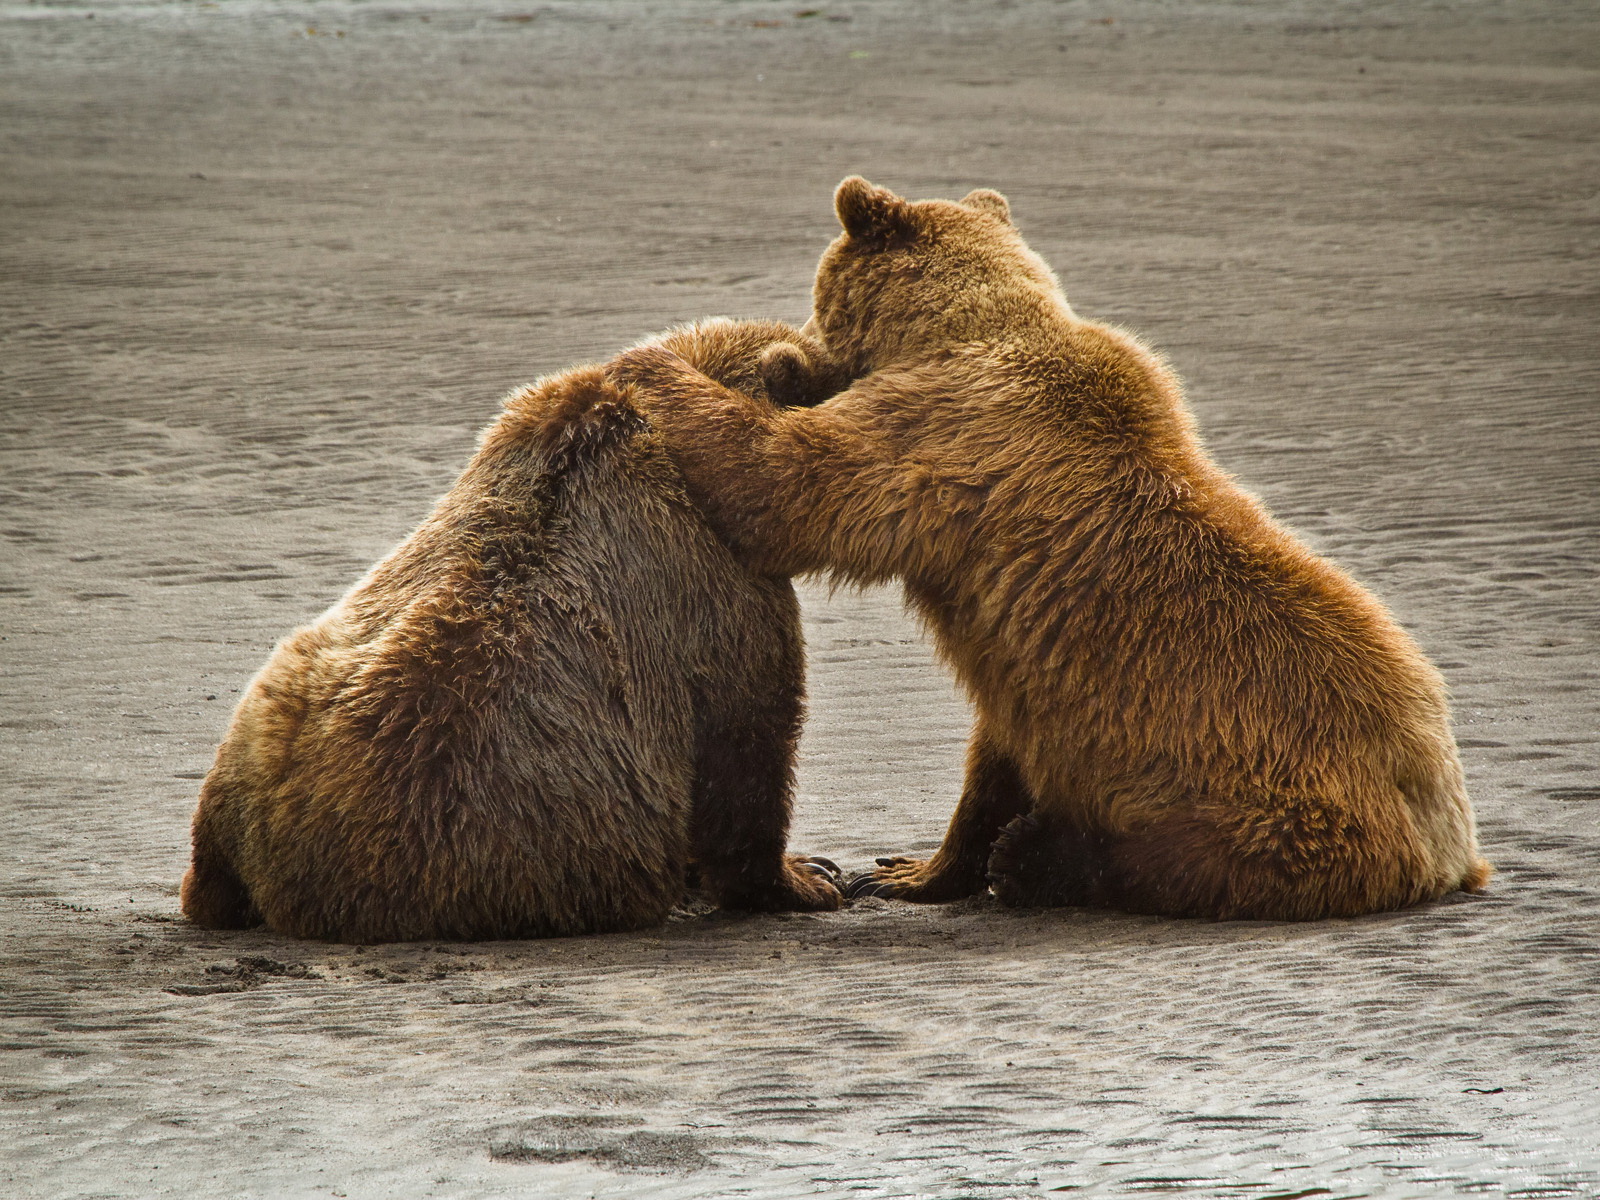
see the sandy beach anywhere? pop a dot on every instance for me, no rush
(267, 268)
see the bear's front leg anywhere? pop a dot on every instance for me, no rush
(740, 821)
(749, 708)
(791, 375)
(657, 375)
(994, 794)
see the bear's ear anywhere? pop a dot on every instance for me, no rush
(787, 375)
(987, 200)
(869, 213)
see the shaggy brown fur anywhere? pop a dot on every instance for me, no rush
(530, 716)
(1180, 709)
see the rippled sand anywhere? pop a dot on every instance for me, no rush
(266, 268)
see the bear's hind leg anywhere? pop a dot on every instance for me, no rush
(993, 794)
(1040, 861)
(1183, 866)
(1288, 859)
(213, 896)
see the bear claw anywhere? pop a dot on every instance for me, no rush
(806, 871)
(868, 884)
(825, 868)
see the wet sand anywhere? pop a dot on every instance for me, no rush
(266, 268)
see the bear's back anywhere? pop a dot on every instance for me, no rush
(493, 734)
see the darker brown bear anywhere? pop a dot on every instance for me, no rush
(1180, 708)
(531, 716)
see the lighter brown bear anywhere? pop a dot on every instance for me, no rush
(1180, 709)
(528, 718)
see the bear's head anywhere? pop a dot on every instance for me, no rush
(767, 360)
(908, 277)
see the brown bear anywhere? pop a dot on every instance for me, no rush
(527, 720)
(1180, 709)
